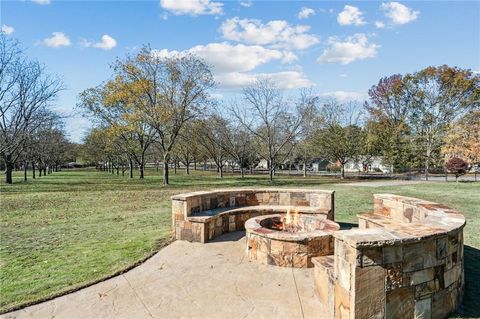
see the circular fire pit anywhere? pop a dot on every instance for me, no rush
(289, 240)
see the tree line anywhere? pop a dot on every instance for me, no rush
(31, 133)
(160, 109)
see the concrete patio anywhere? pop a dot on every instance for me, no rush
(192, 280)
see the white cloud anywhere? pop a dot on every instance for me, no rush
(192, 7)
(399, 13)
(276, 33)
(246, 3)
(225, 57)
(233, 65)
(6, 29)
(58, 39)
(106, 44)
(353, 48)
(42, 1)
(284, 80)
(305, 13)
(346, 96)
(350, 15)
(379, 24)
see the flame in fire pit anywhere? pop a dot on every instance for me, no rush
(291, 224)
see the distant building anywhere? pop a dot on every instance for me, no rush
(367, 164)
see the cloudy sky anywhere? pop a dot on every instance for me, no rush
(337, 48)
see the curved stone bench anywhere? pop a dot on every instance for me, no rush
(404, 261)
(202, 216)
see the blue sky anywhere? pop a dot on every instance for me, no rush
(336, 48)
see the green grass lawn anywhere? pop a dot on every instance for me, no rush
(65, 230)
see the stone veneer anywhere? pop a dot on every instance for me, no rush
(202, 216)
(287, 249)
(405, 261)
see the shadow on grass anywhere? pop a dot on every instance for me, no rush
(470, 307)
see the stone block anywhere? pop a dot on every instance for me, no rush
(426, 288)
(284, 198)
(421, 276)
(413, 257)
(395, 278)
(362, 223)
(452, 244)
(300, 260)
(369, 292)
(400, 303)
(276, 247)
(299, 199)
(342, 302)
(443, 303)
(451, 276)
(395, 209)
(347, 252)
(439, 276)
(325, 289)
(442, 247)
(430, 253)
(372, 256)
(343, 270)
(423, 309)
(281, 260)
(392, 254)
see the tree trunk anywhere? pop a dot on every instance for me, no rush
(33, 169)
(118, 170)
(25, 166)
(123, 170)
(304, 168)
(8, 169)
(242, 172)
(131, 168)
(45, 171)
(165, 170)
(220, 170)
(270, 173)
(40, 169)
(342, 176)
(187, 168)
(56, 167)
(205, 165)
(141, 169)
(175, 167)
(194, 164)
(426, 169)
(157, 166)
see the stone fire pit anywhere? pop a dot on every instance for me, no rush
(289, 241)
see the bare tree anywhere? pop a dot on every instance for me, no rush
(270, 119)
(211, 137)
(26, 91)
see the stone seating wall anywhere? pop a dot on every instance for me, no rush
(404, 261)
(202, 216)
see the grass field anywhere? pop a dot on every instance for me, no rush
(65, 230)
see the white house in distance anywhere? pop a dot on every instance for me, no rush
(362, 164)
